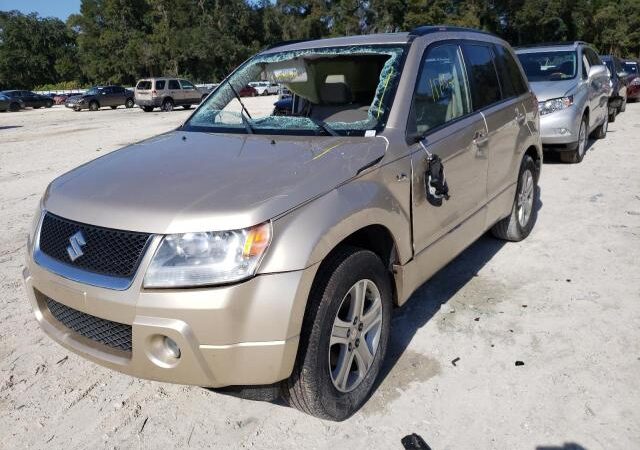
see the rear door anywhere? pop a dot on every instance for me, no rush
(441, 112)
(507, 123)
(175, 92)
(190, 94)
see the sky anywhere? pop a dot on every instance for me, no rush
(45, 8)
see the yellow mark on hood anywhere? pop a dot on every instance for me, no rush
(325, 151)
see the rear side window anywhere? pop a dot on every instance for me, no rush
(173, 84)
(144, 85)
(186, 84)
(592, 57)
(511, 79)
(485, 88)
(441, 93)
(160, 84)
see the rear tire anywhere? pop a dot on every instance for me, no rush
(49, 104)
(13, 107)
(576, 156)
(334, 336)
(517, 225)
(623, 107)
(167, 105)
(129, 103)
(94, 106)
(186, 106)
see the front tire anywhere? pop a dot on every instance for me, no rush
(147, 108)
(577, 155)
(49, 104)
(13, 107)
(519, 223)
(129, 103)
(113, 107)
(186, 106)
(344, 337)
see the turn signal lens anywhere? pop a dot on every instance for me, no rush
(258, 239)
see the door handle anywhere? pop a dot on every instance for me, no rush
(480, 138)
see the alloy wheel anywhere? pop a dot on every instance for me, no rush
(525, 198)
(355, 335)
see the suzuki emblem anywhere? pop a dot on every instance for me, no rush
(75, 249)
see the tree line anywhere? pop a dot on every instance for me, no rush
(119, 41)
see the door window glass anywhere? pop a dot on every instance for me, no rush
(441, 93)
(160, 84)
(173, 84)
(510, 76)
(187, 85)
(485, 88)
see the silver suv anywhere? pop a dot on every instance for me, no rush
(264, 253)
(166, 93)
(572, 86)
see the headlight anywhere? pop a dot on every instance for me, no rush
(635, 82)
(556, 104)
(198, 259)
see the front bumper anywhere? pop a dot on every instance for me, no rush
(243, 334)
(560, 128)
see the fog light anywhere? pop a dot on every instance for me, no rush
(172, 347)
(564, 131)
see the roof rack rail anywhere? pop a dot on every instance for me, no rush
(428, 29)
(283, 43)
(552, 44)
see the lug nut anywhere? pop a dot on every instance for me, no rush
(355, 320)
(350, 347)
(349, 332)
(361, 326)
(358, 342)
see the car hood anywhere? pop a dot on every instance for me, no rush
(546, 90)
(190, 181)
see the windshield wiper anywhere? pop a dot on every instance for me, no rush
(244, 109)
(324, 126)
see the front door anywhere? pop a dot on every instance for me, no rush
(175, 92)
(441, 112)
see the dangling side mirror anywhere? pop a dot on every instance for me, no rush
(435, 181)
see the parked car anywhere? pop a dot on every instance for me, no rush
(265, 253)
(10, 104)
(632, 67)
(618, 77)
(572, 87)
(30, 99)
(166, 93)
(265, 87)
(248, 91)
(101, 96)
(61, 99)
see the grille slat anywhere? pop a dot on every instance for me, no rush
(109, 252)
(112, 334)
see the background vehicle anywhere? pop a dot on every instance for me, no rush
(632, 67)
(61, 99)
(573, 89)
(265, 87)
(248, 91)
(10, 104)
(101, 96)
(30, 99)
(166, 93)
(618, 98)
(274, 260)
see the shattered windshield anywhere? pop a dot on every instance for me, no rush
(336, 91)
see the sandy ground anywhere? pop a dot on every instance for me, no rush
(564, 302)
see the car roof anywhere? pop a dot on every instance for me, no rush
(382, 38)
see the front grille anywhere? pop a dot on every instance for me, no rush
(112, 334)
(109, 252)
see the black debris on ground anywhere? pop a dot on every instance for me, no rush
(414, 442)
(455, 361)
(519, 363)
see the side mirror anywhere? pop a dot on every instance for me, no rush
(596, 71)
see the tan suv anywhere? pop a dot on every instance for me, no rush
(264, 253)
(166, 93)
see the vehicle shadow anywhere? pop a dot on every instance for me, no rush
(566, 446)
(8, 127)
(553, 157)
(428, 298)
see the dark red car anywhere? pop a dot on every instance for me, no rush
(248, 91)
(632, 67)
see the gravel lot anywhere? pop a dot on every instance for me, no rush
(564, 302)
